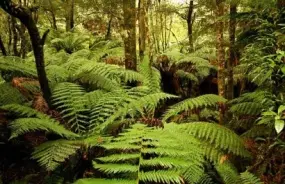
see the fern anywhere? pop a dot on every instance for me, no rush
(10, 95)
(52, 153)
(151, 75)
(248, 178)
(17, 66)
(149, 155)
(69, 100)
(25, 125)
(208, 100)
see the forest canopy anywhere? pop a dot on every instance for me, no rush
(142, 91)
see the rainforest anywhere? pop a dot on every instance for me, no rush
(142, 91)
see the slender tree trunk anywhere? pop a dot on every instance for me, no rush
(108, 35)
(129, 8)
(25, 16)
(232, 59)
(70, 15)
(10, 36)
(2, 47)
(190, 25)
(15, 37)
(220, 54)
(52, 12)
(143, 27)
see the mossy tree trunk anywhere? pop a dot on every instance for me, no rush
(25, 16)
(129, 8)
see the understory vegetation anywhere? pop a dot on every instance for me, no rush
(142, 92)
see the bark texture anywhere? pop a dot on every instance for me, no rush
(190, 24)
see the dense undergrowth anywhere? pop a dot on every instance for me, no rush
(110, 125)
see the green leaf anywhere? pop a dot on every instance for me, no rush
(269, 113)
(281, 109)
(283, 69)
(279, 125)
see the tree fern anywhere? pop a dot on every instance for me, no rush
(208, 100)
(248, 178)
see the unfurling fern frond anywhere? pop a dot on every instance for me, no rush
(208, 100)
(69, 100)
(25, 125)
(51, 154)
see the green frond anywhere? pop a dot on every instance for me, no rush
(144, 104)
(69, 100)
(115, 168)
(151, 75)
(25, 125)
(208, 100)
(247, 108)
(57, 74)
(52, 153)
(104, 181)
(10, 95)
(187, 75)
(221, 137)
(228, 173)
(117, 158)
(24, 111)
(248, 178)
(17, 66)
(161, 177)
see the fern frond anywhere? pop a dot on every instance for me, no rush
(69, 100)
(151, 75)
(104, 181)
(24, 125)
(222, 137)
(10, 95)
(52, 153)
(248, 178)
(24, 111)
(18, 66)
(228, 173)
(161, 177)
(208, 100)
(115, 168)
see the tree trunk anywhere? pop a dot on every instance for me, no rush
(232, 59)
(220, 54)
(15, 37)
(129, 8)
(108, 35)
(25, 16)
(2, 47)
(143, 27)
(190, 25)
(70, 15)
(52, 12)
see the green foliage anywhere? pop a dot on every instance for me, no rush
(69, 100)
(204, 101)
(160, 156)
(17, 67)
(52, 153)
(10, 95)
(248, 178)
